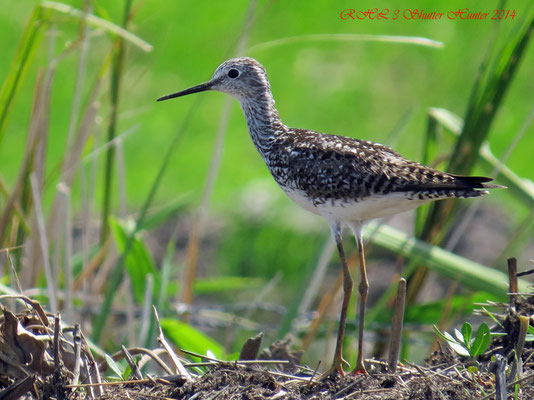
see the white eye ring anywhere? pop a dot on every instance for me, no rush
(233, 73)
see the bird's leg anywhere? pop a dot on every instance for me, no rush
(337, 363)
(364, 290)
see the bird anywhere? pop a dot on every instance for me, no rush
(345, 180)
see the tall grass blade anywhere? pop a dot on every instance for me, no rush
(80, 75)
(68, 305)
(44, 244)
(29, 43)
(16, 206)
(57, 237)
(469, 273)
(121, 179)
(117, 71)
(99, 23)
(347, 37)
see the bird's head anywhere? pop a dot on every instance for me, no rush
(241, 77)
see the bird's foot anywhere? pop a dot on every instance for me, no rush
(336, 368)
(359, 369)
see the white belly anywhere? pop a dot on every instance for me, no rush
(357, 211)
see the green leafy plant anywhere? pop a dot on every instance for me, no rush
(464, 343)
(120, 371)
(187, 337)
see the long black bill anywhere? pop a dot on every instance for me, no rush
(195, 89)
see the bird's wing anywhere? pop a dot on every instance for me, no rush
(342, 167)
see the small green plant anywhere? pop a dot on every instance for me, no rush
(530, 334)
(465, 344)
(119, 371)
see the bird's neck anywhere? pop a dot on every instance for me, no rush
(264, 124)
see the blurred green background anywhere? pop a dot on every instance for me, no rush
(352, 88)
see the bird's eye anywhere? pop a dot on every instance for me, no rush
(233, 73)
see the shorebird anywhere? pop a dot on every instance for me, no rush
(345, 180)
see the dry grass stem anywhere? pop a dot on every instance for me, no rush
(179, 367)
(44, 244)
(396, 326)
(513, 284)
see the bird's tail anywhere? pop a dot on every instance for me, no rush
(476, 182)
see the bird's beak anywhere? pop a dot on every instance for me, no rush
(195, 89)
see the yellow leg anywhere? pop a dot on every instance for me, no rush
(337, 363)
(364, 290)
